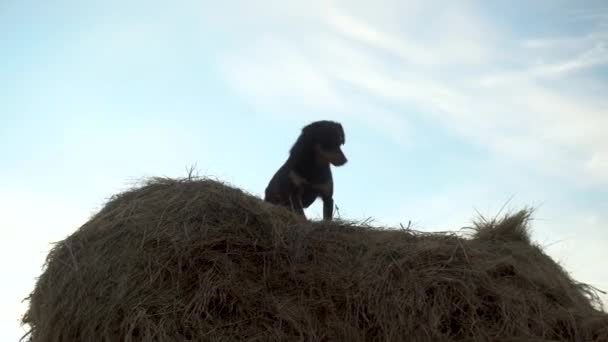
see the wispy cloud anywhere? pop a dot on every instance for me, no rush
(456, 74)
(582, 56)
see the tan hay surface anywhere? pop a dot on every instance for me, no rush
(194, 259)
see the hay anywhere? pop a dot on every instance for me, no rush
(193, 259)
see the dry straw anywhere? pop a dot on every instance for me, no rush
(197, 260)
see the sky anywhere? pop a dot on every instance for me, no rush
(451, 109)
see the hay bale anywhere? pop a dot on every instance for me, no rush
(193, 259)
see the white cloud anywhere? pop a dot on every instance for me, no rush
(585, 57)
(597, 166)
(596, 55)
(254, 74)
(360, 31)
(456, 37)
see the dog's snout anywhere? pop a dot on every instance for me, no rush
(340, 159)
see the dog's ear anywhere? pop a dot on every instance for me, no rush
(303, 143)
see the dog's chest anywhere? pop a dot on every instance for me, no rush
(311, 186)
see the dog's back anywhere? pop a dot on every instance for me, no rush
(277, 191)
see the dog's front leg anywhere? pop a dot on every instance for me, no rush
(296, 203)
(328, 208)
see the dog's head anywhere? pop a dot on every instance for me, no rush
(326, 138)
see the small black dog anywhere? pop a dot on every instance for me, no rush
(306, 174)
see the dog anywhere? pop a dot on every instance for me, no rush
(306, 175)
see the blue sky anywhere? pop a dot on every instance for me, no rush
(448, 107)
